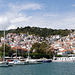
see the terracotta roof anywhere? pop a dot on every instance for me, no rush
(20, 48)
(63, 51)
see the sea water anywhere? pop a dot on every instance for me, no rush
(53, 68)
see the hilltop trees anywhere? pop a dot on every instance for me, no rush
(38, 31)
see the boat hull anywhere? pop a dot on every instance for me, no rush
(3, 64)
(18, 62)
(10, 63)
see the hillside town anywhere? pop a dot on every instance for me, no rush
(23, 42)
(65, 45)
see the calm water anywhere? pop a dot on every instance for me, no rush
(40, 69)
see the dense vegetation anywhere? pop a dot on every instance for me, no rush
(8, 51)
(40, 50)
(38, 31)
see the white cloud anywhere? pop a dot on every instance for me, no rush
(33, 6)
(11, 27)
(55, 21)
(73, 5)
(21, 19)
(28, 6)
(4, 21)
(14, 18)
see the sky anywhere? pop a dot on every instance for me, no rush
(55, 14)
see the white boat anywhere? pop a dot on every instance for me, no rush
(4, 63)
(16, 60)
(19, 62)
(10, 62)
(63, 59)
(31, 61)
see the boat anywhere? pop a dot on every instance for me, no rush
(36, 61)
(44, 60)
(19, 62)
(47, 60)
(4, 63)
(16, 60)
(32, 61)
(10, 62)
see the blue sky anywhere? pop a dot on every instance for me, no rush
(55, 14)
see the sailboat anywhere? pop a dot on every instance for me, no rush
(36, 61)
(4, 63)
(18, 61)
(31, 61)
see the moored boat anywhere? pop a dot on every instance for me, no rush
(19, 62)
(10, 62)
(32, 61)
(3, 64)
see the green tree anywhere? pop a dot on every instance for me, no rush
(7, 49)
(35, 48)
(40, 50)
(43, 47)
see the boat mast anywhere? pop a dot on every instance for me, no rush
(28, 53)
(28, 48)
(4, 46)
(16, 47)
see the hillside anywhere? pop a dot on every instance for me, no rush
(38, 31)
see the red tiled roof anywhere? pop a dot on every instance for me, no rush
(19, 48)
(63, 51)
